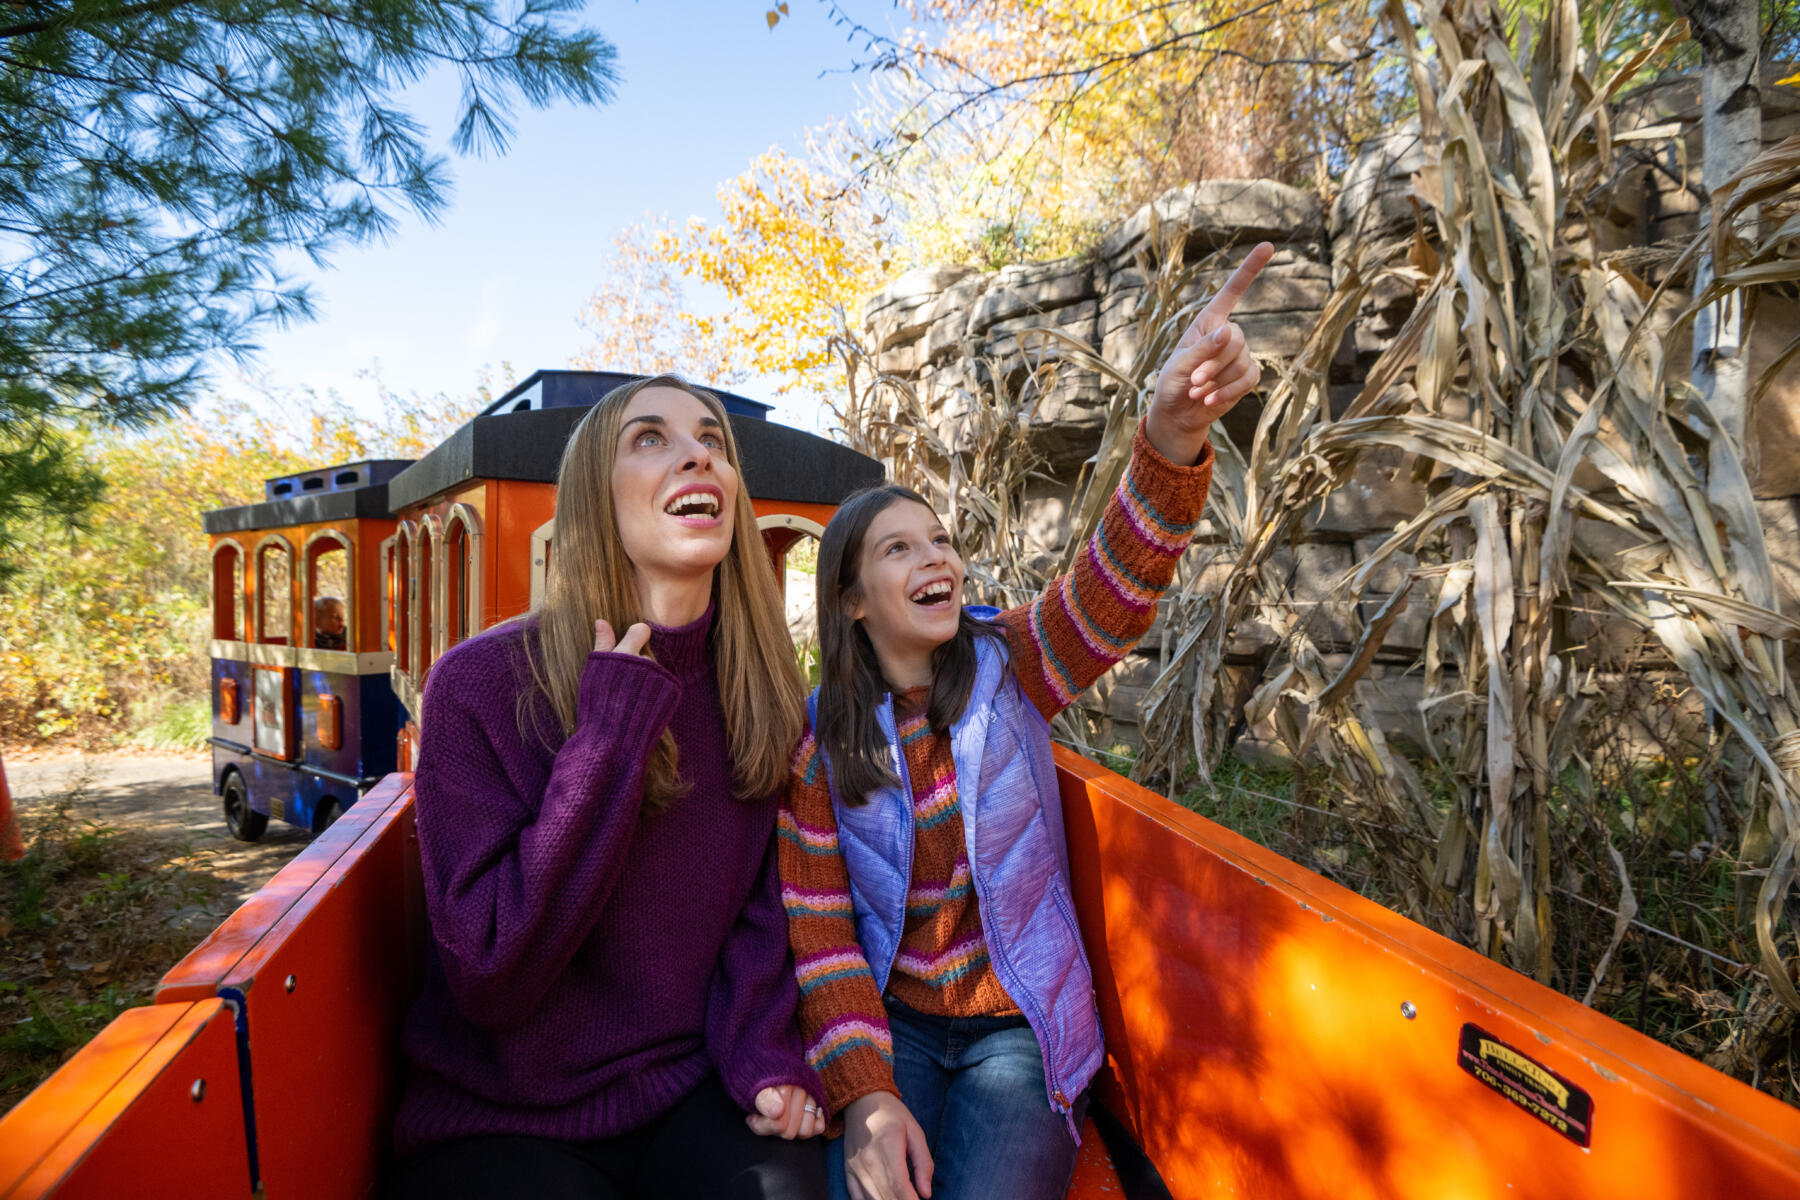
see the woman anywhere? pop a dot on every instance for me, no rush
(946, 998)
(609, 1003)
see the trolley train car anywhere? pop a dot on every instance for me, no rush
(303, 715)
(305, 718)
(1268, 1032)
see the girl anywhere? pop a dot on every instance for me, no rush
(945, 997)
(608, 990)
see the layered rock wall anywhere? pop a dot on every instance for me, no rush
(957, 327)
(960, 329)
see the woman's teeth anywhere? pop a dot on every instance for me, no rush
(931, 593)
(693, 504)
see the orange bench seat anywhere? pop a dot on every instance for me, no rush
(150, 1108)
(321, 979)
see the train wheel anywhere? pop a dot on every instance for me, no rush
(327, 816)
(245, 823)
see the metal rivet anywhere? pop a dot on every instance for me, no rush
(198, 1091)
(289, 983)
(1406, 1006)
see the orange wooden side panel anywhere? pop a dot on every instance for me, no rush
(368, 534)
(1257, 1044)
(818, 514)
(121, 1118)
(198, 975)
(516, 510)
(323, 995)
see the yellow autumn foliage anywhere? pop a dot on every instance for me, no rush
(795, 250)
(1038, 122)
(1008, 130)
(100, 618)
(639, 320)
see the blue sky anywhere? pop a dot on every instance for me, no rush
(706, 87)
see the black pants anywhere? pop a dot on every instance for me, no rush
(700, 1150)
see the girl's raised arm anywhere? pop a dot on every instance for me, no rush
(1088, 619)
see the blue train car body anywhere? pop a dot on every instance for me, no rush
(305, 719)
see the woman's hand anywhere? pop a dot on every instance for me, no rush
(634, 641)
(785, 1111)
(880, 1134)
(1210, 370)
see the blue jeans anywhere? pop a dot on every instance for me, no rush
(976, 1086)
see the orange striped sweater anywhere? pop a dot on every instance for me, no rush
(1062, 641)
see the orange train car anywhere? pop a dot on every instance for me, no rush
(476, 516)
(1269, 1033)
(306, 720)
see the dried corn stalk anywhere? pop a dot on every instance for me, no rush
(966, 451)
(1552, 351)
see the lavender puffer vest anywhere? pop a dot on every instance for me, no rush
(1012, 824)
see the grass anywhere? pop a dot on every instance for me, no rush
(1246, 798)
(169, 723)
(90, 919)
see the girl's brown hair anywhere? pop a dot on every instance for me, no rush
(590, 578)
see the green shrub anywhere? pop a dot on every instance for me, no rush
(172, 724)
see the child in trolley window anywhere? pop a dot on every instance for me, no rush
(946, 1000)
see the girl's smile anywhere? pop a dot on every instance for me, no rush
(909, 591)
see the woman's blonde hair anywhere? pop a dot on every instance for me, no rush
(589, 578)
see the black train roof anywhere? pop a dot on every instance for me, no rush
(340, 493)
(583, 389)
(779, 462)
(521, 436)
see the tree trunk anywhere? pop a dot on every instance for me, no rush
(1731, 135)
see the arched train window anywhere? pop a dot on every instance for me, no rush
(425, 589)
(328, 603)
(793, 543)
(273, 594)
(462, 575)
(541, 538)
(400, 592)
(227, 590)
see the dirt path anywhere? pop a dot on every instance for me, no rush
(163, 802)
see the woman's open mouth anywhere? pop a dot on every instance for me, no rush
(696, 506)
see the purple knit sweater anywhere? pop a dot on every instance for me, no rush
(589, 966)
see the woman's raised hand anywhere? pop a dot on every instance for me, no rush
(1210, 370)
(634, 641)
(786, 1112)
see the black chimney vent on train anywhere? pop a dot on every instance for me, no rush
(342, 478)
